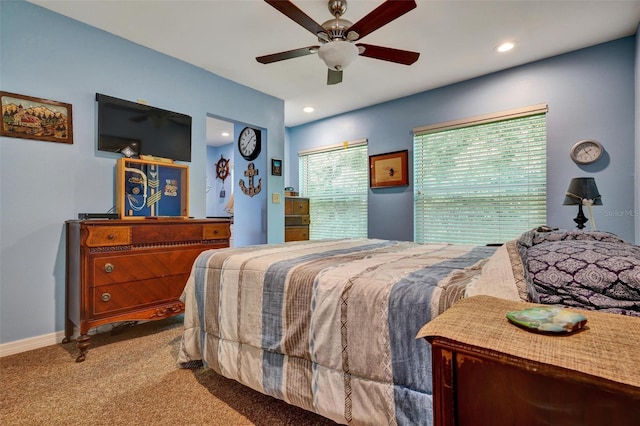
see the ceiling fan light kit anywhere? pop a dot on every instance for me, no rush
(338, 36)
(338, 55)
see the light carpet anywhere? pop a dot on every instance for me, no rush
(130, 377)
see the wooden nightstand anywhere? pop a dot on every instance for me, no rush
(486, 371)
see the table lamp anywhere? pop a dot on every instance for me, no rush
(583, 192)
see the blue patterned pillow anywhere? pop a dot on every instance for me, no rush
(598, 273)
(535, 236)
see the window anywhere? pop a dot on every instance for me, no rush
(480, 180)
(335, 179)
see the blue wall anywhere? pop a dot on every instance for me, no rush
(215, 203)
(43, 184)
(250, 218)
(590, 95)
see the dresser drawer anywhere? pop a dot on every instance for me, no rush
(296, 206)
(112, 298)
(296, 233)
(163, 233)
(216, 231)
(298, 220)
(101, 236)
(125, 267)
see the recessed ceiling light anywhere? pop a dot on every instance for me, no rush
(505, 47)
(308, 109)
(225, 134)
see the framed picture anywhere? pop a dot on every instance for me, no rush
(390, 169)
(147, 188)
(33, 118)
(276, 167)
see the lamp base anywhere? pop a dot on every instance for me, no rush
(581, 219)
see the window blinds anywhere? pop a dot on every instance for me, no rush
(336, 181)
(480, 183)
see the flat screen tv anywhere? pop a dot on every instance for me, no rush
(146, 130)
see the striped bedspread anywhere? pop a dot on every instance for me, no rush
(328, 325)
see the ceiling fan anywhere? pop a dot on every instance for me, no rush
(338, 37)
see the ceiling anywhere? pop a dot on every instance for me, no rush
(456, 40)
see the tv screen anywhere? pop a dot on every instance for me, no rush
(144, 129)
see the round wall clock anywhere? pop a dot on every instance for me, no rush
(249, 143)
(222, 168)
(586, 151)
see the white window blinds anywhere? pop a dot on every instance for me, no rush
(480, 183)
(335, 179)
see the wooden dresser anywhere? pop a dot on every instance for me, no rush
(296, 219)
(486, 371)
(131, 270)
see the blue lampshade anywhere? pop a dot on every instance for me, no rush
(582, 188)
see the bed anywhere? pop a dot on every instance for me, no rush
(330, 325)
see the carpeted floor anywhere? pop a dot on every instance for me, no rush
(131, 378)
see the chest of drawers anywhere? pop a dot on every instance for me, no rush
(296, 219)
(131, 270)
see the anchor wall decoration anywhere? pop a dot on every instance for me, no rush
(251, 190)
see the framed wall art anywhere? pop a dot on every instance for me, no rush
(151, 189)
(276, 167)
(390, 169)
(34, 118)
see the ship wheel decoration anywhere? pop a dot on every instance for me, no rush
(222, 168)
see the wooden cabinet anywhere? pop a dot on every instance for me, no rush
(486, 371)
(296, 219)
(131, 270)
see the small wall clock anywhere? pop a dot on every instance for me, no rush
(586, 152)
(249, 143)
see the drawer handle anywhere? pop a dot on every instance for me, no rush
(105, 297)
(109, 268)
(111, 236)
(215, 231)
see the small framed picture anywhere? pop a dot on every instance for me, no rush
(34, 118)
(276, 167)
(390, 169)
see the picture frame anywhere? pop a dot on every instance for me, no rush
(389, 170)
(27, 117)
(276, 167)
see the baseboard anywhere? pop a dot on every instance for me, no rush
(31, 343)
(38, 342)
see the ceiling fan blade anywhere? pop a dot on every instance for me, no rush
(334, 77)
(404, 57)
(291, 10)
(382, 15)
(289, 54)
